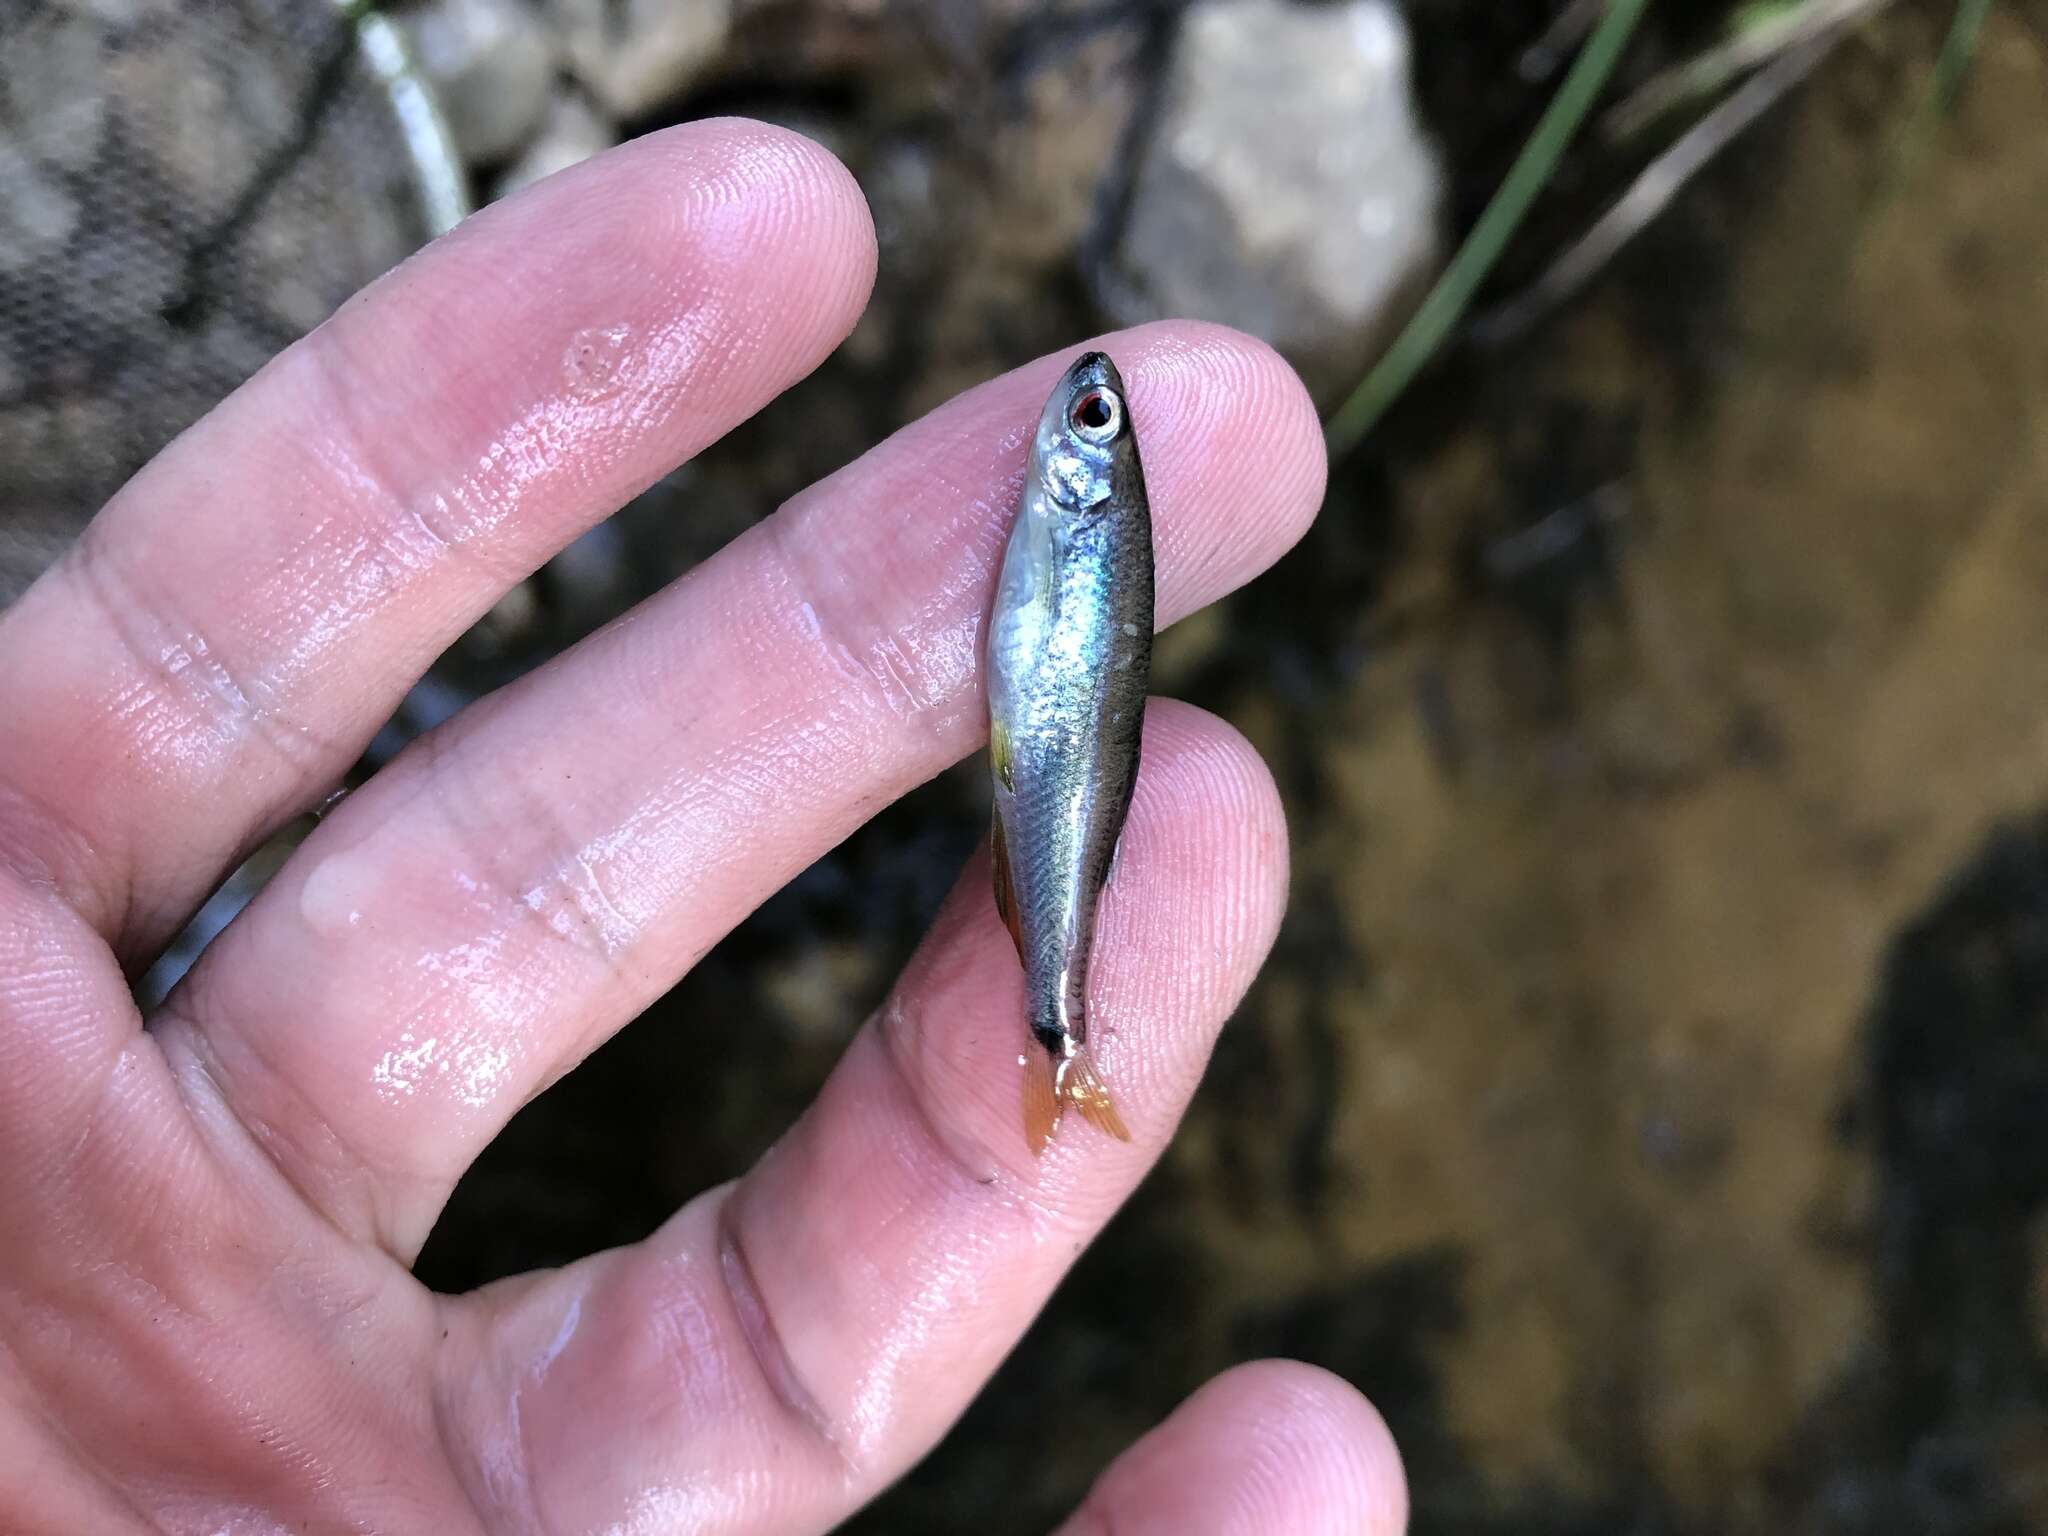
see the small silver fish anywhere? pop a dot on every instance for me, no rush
(1069, 654)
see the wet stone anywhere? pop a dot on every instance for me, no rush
(1286, 188)
(636, 55)
(35, 215)
(50, 103)
(491, 63)
(572, 132)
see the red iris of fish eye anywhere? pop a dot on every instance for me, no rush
(1093, 411)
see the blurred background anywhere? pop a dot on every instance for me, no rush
(1647, 1102)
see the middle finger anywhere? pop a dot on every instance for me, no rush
(516, 887)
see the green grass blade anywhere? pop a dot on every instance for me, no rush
(1958, 50)
(1532, 169)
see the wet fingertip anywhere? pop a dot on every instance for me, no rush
(1324, 1434)
(1267, 405)
(814, 191)
(779, 205)
(1207, 777)
(1240, 467)
(728, 198)
(1271, 1448)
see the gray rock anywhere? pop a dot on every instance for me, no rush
(51, 106)
(35, 216)
(492, 63)
(119, 13)
(572, 133)
(635, 55)
(1287, 189)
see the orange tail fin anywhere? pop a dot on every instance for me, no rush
(1041, 1101)
(1050, 1087)
(1080, 1087)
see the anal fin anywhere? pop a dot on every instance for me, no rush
(1006, 885)
(999, 755)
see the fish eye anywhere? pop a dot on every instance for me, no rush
(1097, 415)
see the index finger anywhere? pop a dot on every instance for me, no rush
(244, 614)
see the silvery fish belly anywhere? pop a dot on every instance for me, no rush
(1069, 652)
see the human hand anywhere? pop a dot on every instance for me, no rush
(207, 1321)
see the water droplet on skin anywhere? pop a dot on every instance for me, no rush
(593, 357)
(335, 893)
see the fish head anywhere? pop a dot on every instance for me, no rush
(1084, 443)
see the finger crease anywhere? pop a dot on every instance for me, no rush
(764, 1339)
(182, 673)
(46, 851)
(422, 530)
(867, 654)
(985, 1180)
(459, 1453)
(323, 1190)
(563, 897)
